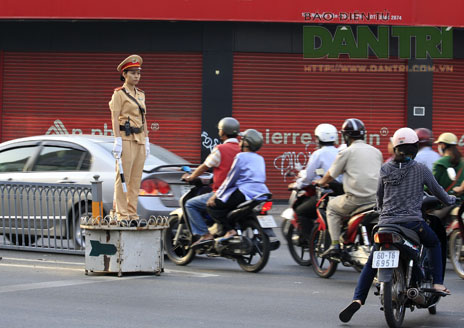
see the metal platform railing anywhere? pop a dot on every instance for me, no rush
(45, 217)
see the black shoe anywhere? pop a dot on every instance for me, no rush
(348, 312)
(333, 251)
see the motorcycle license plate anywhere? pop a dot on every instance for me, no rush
(385, 259)
(267, 221)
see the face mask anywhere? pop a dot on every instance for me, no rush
(440, 150)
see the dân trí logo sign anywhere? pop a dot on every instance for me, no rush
(429, 42)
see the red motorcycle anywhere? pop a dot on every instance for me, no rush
(296, 235)
(456, 242)
(356, 235)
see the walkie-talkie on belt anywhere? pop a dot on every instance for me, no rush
(127, 127)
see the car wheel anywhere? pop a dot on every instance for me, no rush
(75, 232)
(18, 240)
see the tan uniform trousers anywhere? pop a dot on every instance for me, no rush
(133, 159)
(340, 207)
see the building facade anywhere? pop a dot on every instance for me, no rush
(57, 76)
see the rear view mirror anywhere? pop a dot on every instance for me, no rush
(451, 173)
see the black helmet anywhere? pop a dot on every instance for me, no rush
(353, 128)
(229, 125)
(253, 138)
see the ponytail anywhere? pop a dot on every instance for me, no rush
(455, 154)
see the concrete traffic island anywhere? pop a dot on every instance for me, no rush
(124, 246)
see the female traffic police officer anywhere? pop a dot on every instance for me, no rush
(131, 144)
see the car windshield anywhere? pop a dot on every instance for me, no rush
(158, 155)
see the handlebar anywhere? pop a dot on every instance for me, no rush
(203, 180)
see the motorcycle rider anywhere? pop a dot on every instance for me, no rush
(220, 159)
(245, 180)
(399, 199)
(426, 155)
(360, 165)
(452, 158)
(322, 158)
(459, 189)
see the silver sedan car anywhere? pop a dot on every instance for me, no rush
(76, 159)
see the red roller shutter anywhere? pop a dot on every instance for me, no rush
(448, 99)
(69, 93)
(278, 95)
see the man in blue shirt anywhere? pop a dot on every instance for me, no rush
(245, 180)
(321, 159)
(426, 154)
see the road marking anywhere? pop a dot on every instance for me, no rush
(40, 261)
(33, 266)
(60, 283)
(82, 268)
(190, 273)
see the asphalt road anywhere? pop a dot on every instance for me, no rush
(50, 290)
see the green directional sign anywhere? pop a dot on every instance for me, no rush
(101, 249)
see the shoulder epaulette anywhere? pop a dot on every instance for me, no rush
(140, 90)
(117, 89)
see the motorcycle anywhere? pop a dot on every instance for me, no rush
(456, 242)
(356, 232)
(298, 239)
(446, 221)
(251, 246)
(297, 242)
(404, 273)
(295, 196)
(449, 227)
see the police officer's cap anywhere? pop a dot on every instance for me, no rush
(133, 62)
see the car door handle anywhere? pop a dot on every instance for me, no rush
(65, 180)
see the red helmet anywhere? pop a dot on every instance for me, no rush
(425, 136)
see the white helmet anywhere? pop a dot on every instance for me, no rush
(404, 136)
(326, 132)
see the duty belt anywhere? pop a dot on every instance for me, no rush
(132, 130)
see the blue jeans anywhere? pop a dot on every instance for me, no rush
(428, 238)
(196, 212)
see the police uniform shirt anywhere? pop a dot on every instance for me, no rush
(360, 165)
(320, 159)
(128, 108)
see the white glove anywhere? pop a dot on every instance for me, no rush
(147, 146)
(117, 147)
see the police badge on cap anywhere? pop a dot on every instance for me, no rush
(133, 62)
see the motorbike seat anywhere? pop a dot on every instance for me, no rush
(408, 233)
(363, 208)
(233, 215)
(443, 212)
(246, 206)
